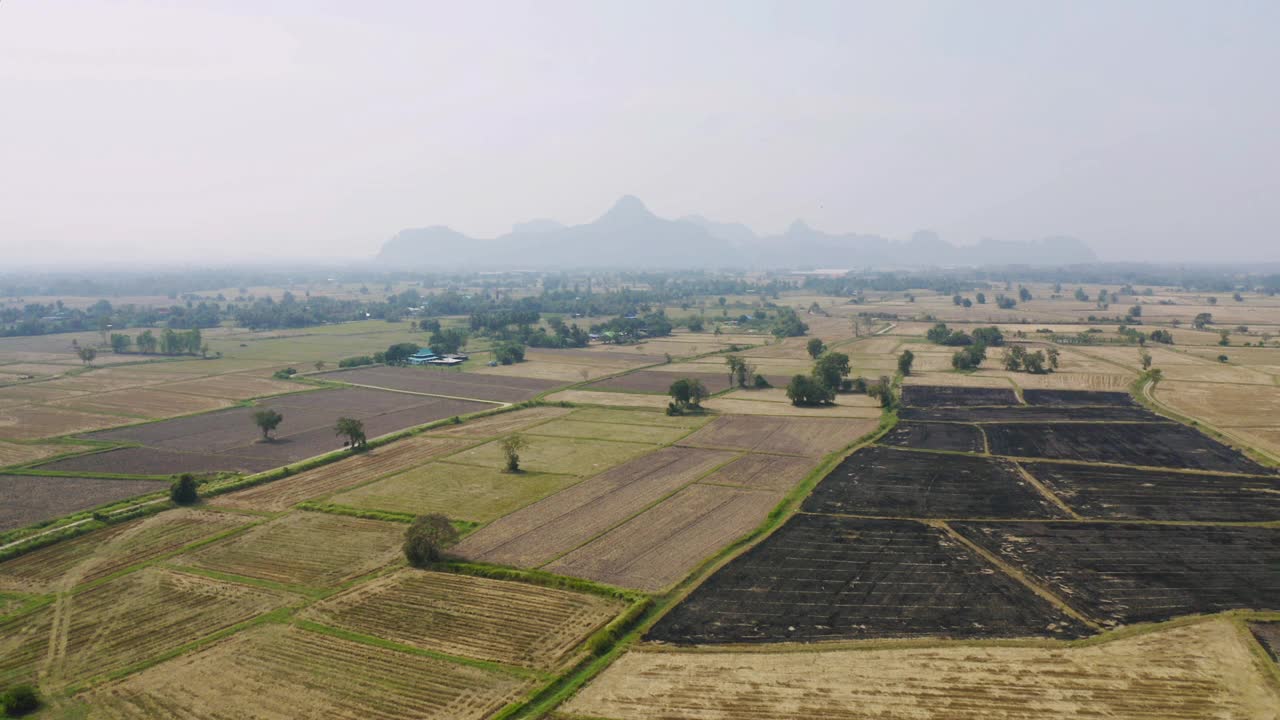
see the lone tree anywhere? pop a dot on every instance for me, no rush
(184, 490)
(904, 362)
(87, 354)
(19, 700)
(267, 421)
(1145, 358)
(815, 346)
(353, 430)
(511, 447)
(426, 539)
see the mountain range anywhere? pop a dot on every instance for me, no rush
(629, 235)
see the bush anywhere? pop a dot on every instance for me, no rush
(19, 700)
(285, 374)
(426, 539)
(508, 353)
(761, 382)
(184, 491)
(355, 361)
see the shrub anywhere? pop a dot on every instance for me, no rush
(19, 700)
(184, 490)
(355, 361)
(426, 539)
(285, 374)
(761, 382)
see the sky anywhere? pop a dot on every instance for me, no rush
(237, 131)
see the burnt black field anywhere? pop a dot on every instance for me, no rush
(1268, 634)
(937, 436)
(830, 578)
(1125, 573)
(1116, 493)
(1022, 413)
(1077, 398)
(1152, 444)
(943, 396)
(902, 483)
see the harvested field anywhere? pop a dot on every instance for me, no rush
(1031, 414)
(614, 399)
(847, 406)
(147, 403)
(32, 422)
(29, 499)
(305, 548)
(337, 476)
(1222, 404)
(152, 461)
(569, 427)
(650, 381)
(463, 492)
(111, 549)
(1116, 493)
(1125, 573)
(937, 436)
(501, 424)
(571, 456)
(1116, 381)
(114, 625)
(831, 578)
(280, 672)
(812, 437)
(1076, 398)
(551, 527)
(436, 381)
(14, 454)
(640, 417)
(762, 472)
(1152, 444)
(236, 386)
(496, 620)
(885, 482)
(1268, 634)
(943, 396)
(1202, 671)
(307, 429)
(660, 546)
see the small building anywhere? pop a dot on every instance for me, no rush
(423, 357)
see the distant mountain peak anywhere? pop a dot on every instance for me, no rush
(628, 208)
(799, 227)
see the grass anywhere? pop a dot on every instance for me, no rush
(466, 492)
(574, 456)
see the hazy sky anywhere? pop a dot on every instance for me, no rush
(252, 130)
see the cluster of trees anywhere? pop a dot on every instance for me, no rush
(743, 374)
(169, 342)
(687, 395)
(632, 328)
(819, 387)
(974, 346)
(788, 324)
(1016, 358)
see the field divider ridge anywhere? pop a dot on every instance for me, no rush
(1046, 492)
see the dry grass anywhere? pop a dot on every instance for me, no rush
(795, 436)
(278, 672)
(500, 424)
(234, 387)
(463, 492)
(1202, 671)
(148, 403)
(500, 621)
(21, 454)
(32, 422)
(304, 548)
(612, 399)
(564, 455)
(335, 477)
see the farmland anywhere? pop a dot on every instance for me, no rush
(281, 672)
(464, 492)
(568, 455)
(495, 620)
(1122, 573)
(794, 436)
(45, 498)
(437, 381)
(829, 578)
(648, 381)
(1151, 444)
(937, 436)
(1200, 671)
(942, 396)
(882, 481)
(285, 550)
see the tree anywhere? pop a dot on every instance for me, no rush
(830, 368)
(509, 353)
(399, 353)
(1163, 337)
(904, 362)
(1034, 362)
(989, 336)
(1053, 354)
(320, 365)
(120, 343)
(1213, 300)
(1145, 358)
(1012, 359)
(857, 326)
(1201, 320)
(1223, 358)
(146, 342)
(451, 340)
(982, 298)
(1224, 338)
(805, 390)
(267, 421)
(19, 700)
(1237, 297)
(184, 490)
(353, 430)
(511, 446)
(1004, 302)
(1081, 295)
(687, 392)
(1024, 294)
(736, 365)
(882, 391)
(815, 346)
(426, 539)
(969, 358)
(87, 354)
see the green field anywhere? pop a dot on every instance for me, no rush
(571, 456)
(463, 492)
